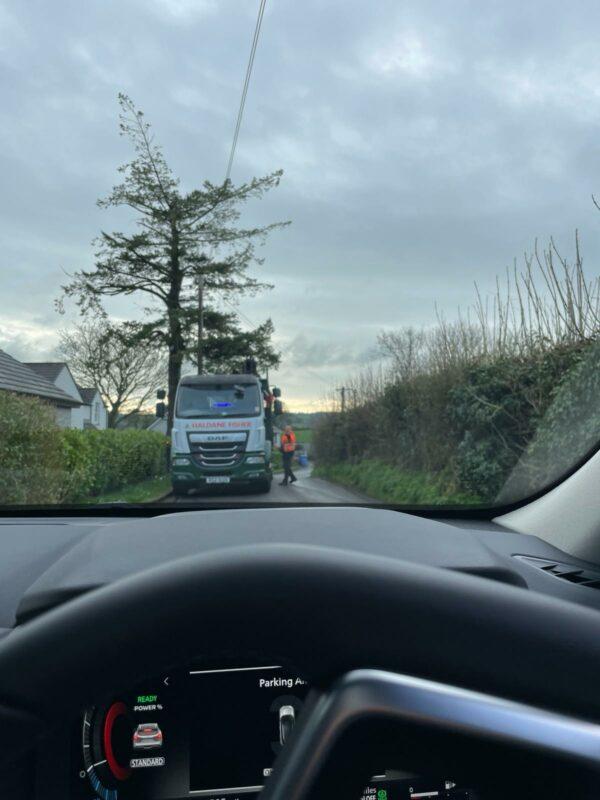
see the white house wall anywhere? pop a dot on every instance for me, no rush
(65, 382)
(98, 415)
(63, 417)
(77, 415)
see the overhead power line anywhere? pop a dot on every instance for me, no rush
(238, 123)
(239, 313)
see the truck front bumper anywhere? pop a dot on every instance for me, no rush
(185, 474)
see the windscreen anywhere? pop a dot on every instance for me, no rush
(217, 400)
(384, 216)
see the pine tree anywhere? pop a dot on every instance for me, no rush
(181, 239)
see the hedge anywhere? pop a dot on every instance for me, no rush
(31, 456)
(498, 430)
(41, 463)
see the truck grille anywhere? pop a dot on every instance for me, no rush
(217, 455)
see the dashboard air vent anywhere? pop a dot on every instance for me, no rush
(567, 572)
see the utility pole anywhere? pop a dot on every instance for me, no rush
(343, 390)
(200, 352)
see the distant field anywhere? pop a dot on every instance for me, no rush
(303, 435)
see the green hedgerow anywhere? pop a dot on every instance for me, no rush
(41, 463)
(31, 459)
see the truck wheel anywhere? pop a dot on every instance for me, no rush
(180, 491)
(263, 487)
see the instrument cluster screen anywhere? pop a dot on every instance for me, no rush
(210, 733)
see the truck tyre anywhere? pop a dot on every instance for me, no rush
(263, 487)
(180, 491)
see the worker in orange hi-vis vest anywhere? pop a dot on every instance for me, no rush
(288, 448)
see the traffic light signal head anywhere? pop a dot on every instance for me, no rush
(250, 366)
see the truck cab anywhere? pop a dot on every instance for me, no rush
(221, 434)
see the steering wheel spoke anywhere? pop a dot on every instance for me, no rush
(502, 745)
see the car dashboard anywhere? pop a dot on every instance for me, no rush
(213, 727)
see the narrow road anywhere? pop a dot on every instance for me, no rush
(306, 490)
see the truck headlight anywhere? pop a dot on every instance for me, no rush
(180, 462)
(255, 460)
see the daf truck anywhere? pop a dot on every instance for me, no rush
(222, 433)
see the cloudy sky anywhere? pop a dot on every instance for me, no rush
(424, 143)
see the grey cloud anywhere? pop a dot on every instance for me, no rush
(30, 344)
(305, 351)
(424, 144)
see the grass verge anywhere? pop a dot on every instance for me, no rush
(143, 492)
(390, 485)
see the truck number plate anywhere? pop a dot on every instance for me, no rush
(218, 479)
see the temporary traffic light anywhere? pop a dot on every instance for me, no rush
(250, 366)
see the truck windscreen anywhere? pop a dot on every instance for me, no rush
(218, 400)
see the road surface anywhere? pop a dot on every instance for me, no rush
(306, 490)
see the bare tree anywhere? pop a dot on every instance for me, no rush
(405, 347)
(548, 302)
(127, 374)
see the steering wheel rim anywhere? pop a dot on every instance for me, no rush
(481, 741)
(327, 612)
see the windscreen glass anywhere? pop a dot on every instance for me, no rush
(241, 400)
(386, 216)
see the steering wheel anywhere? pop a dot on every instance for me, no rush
(434, 670)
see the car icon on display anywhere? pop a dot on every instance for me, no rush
(147, 736)
(287, 718)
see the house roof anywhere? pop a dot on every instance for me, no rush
(87, 394)
(18, 377)
(50, 370)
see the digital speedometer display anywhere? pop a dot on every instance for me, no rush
(206, 732)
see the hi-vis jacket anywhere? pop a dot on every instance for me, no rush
(288, 442)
